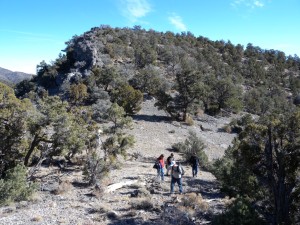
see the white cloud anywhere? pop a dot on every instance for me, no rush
(135, 9)
(259, 4)
(248, 3)
(177, 22)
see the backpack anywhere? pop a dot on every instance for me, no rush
(182, 170)
(194, 160)
(156, 165)
(169, 160)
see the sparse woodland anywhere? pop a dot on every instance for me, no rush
(79, 109)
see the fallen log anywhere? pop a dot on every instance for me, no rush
(113, 187)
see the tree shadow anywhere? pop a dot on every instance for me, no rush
(135, 221)
(151, 118)
(149, 160)
(131, 178)
(80, 185)
(208, 189)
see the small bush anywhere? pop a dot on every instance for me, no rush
(144, 204)
(213, 110)
(237, 125)
(239, 212)
(63, 187)
(95, 169)
(178, 147)
(141, 192)
(99, 208)
(37, 218)
(195, 201)
(189, 121)
(14, 187)
(192, 145)
(227, 128)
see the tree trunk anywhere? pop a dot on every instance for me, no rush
(277, 180)
(34, 143)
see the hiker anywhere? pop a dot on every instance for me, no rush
(160, 169)
(176, 176)
(169, 162)
(194, 161)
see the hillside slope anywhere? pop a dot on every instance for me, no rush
(65, 199)
(10, 77)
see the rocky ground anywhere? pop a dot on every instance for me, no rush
(132, 194)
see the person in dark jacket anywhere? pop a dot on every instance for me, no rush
(170, 159)
(194, 160)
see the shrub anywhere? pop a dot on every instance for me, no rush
(178, 147)
(194, 201)
(95, 169)
(227, 128)
(192, 145)
(213, 110)
(128, 98)
(239, 212)
(64, 187)
(141, 192)
(144, 204)
(237, 125)
(14, 186)
(189, 120)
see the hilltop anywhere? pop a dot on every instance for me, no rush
(151, 61)
(128, 92)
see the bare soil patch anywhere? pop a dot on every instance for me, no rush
(132, 194)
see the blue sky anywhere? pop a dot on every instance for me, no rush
(36, 30)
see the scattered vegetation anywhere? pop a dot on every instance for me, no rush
(263, 165)
(237, 125)
(14, 186)
(59, 111)
(144, 204)
(191, 145)
(194, 201)
(239, 212)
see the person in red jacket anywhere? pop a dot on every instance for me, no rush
(160, 170)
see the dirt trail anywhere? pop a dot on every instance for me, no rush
(154, 133)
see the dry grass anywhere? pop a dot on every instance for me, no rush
(189, 121)
(35, 197)
(228, 201)
(142, 204)
(37, 218)
(100, 208)
(194, 201)
(143, 192)
(165, 186)
(64, 187)
(199, 112)
(79, 160)
(227, 128)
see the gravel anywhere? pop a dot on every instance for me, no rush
(154, 135)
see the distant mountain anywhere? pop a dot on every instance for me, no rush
(10, 77)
